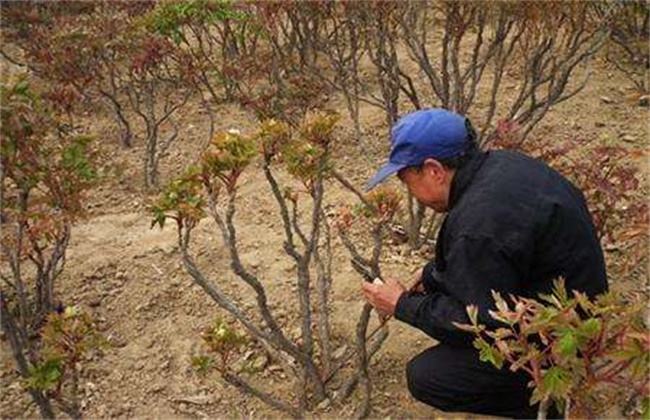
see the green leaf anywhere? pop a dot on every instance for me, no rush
(556, 382)
(567, 345)
(488, 354)
(645, 415)
(590, 328)
(46, 375)
(202, 364)
(158, 218)
(22, 87)
(75, 159)
(71, 311)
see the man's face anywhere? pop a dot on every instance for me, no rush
(430, 185)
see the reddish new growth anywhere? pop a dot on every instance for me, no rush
(577, 352)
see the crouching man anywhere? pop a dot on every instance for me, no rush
(513, 225)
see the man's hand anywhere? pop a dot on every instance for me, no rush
(383, 297)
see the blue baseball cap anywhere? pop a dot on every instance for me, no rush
(428, 133)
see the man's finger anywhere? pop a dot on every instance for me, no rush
(368, 295)
(393, 282)
(418, 275)
(369, 287)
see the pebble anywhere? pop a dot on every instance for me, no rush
(117, 341)
(628, 138)
(338, 353)
(606, 100)
(156, 388)
(287, 266)
(195, 399)
(252, 259)
(324, 404)
(260, 362)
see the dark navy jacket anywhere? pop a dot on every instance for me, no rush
(514, 225)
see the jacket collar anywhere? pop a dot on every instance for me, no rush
(464, 176)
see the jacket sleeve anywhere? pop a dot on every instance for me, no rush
(428, 277)
(474, 267)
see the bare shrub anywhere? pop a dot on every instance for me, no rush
(211, 188)
(628, 49)
(75, 47)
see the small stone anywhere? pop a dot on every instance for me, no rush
(340, 352)
(644, 100)
(156, 388)
(296, 332)
(260, 362)
(90, 387)
(323, 405)
(117, 341)
(606, 99)
(95, 302)
(252, 259)
(102, 411)
(628, 138)
(287, 266)
(275, 368)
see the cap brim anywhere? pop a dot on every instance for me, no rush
(383, 173)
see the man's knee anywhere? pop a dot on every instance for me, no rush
(421, 383)
(413, 379)
(455, 380)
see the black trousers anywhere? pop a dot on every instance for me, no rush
(454, 379)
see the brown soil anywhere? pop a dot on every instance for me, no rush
(129, 276)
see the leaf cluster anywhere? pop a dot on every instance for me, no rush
(569, 345)
(168, 18)
(222, 341)
(45, 170)
(181, 200)
(303, 152)
(307, 156)
(229, 154)
(67, 337)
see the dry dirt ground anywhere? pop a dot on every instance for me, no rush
(130, 278)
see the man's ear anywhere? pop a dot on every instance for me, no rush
(434, 168)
